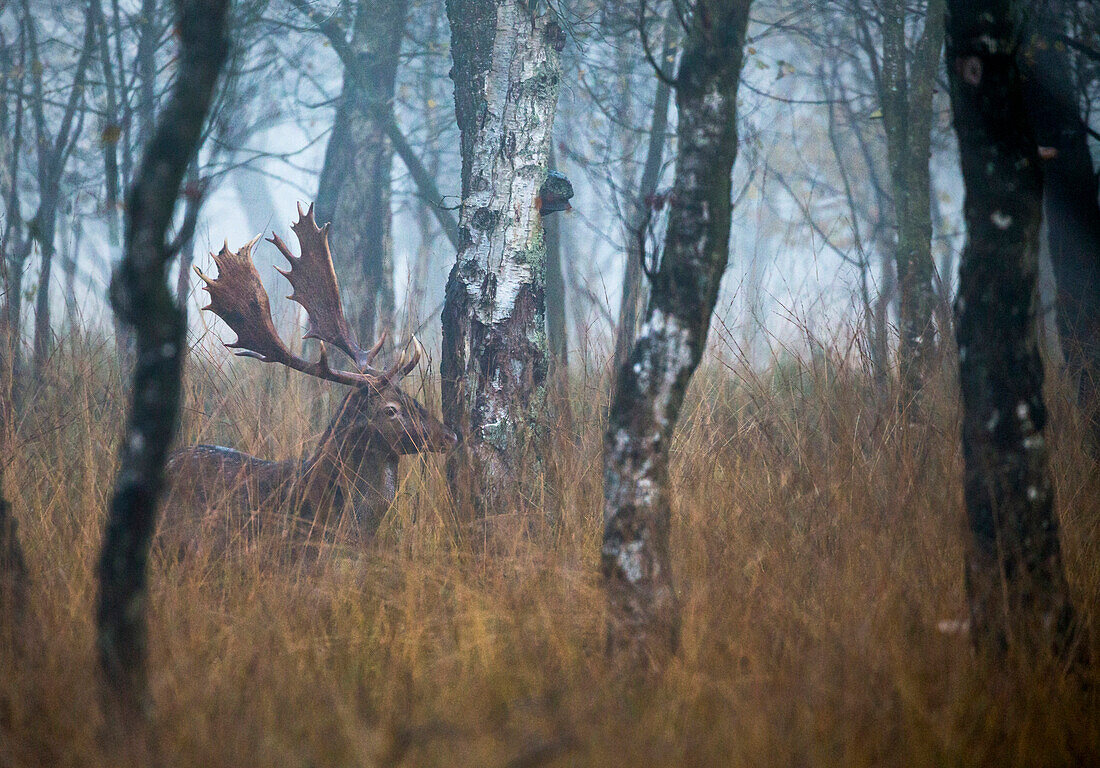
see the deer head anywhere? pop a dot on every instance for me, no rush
(377, 416)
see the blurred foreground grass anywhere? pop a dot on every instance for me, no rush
(818, 539)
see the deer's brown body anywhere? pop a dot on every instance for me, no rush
(219, 495)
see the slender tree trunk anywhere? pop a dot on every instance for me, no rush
(426, 226)
(13, 249)
(906, 97)
(421, 268)
(42, 323)
(141, 298)
(418, 282)
(649, 389)
(13, 329)
(557, 330)
(886, 296)
(1048, 301)
(111, 131)
(878, 368)
(70, 266)
(507, 72)
(634, 290)
(354, 190)
(560, 412)
(125, 98)
(148, 34)
(1014, 576)
(193, 182)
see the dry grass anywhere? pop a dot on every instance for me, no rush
(817, 543)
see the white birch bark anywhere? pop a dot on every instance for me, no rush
(507, 71)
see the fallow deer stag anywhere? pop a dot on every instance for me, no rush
(219, 493)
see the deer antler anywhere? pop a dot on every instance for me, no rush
(405, 363)
(238, 297)
(313, 279)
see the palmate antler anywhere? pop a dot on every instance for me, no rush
(238, 297)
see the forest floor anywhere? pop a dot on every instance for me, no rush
(818, 541)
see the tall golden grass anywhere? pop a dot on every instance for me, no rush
(818, 535)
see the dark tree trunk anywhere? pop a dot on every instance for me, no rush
(507, 72)
(354, 190)
(42, 324)
(111, 130)
(142, 300)
(1070, 191)
(1014, 577)
(148, 34)
(649, 389)
(383, 113)
(13, 569)
(906, 88)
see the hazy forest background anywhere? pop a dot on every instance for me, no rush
(806, 582)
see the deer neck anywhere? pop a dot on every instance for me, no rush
(360, 476)
(374, 486)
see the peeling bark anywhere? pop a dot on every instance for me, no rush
(142, 300)
(507, 73)
(1015, 581)
(649, 389)
(354, 190)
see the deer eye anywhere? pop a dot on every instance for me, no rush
(390, 410)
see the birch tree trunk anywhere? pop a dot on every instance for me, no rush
(1014, 576)
(649, 389)
(354, 189)
(507, 72)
